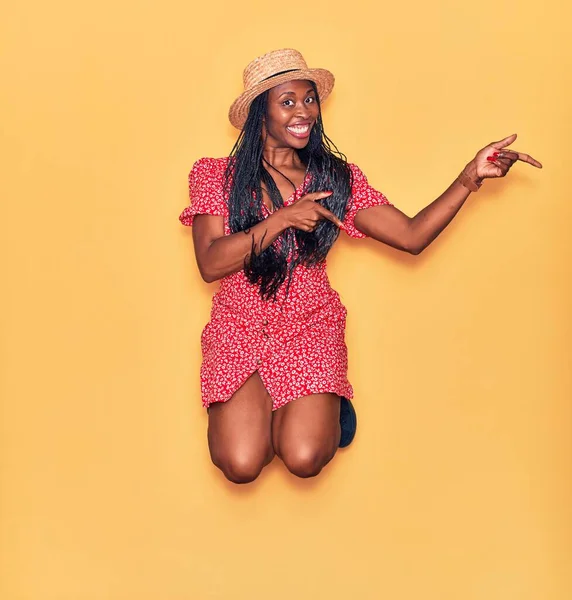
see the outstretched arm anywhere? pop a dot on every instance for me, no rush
(413, 234)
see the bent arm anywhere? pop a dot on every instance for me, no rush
(219, 255)
(389, 225)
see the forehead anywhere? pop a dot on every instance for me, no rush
(297, 86)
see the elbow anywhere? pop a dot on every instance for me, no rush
(208, 278)
(415, 250)
(415, 242)
(208, 275)
(413, 247)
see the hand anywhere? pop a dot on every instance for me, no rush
(495, 160)
(306, 213)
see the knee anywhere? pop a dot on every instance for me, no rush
(306, 461)
(240, 468)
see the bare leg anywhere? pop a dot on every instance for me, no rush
(239, 432)
(306, 433)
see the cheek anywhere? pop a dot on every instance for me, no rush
(277, 120)
(283, 116)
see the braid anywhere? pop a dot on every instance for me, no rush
(244, 177)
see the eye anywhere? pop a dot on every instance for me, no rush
(285, 103)
(310, 99)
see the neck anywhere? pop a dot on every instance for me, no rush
(281, 157)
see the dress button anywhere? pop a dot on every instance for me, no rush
(258, 362)
(265, 335)
(265, 322)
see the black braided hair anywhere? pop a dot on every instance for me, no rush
(244, 178)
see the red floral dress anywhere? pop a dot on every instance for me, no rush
(296, 342)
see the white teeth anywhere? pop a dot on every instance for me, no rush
(299, 129)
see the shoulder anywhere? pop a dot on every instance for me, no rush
(212, 169)
(363, 194)
(212, 163)
(357, 174)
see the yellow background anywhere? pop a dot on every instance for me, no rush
(458, 485)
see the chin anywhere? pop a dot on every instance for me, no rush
(298, 144)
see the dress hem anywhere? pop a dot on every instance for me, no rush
(338, 390)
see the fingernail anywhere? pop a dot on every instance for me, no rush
(491, 158)
(496, 153)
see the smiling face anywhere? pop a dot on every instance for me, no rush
(292, 112)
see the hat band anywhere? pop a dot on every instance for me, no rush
(279, 73)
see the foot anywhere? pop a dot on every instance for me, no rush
(348, 422)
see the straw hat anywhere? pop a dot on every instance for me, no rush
(271, 70)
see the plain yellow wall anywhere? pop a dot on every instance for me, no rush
(458, 485)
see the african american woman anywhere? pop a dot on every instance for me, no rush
(274, 369)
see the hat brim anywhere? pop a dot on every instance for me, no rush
(323, 79)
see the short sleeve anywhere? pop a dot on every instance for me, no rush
(363, 196)
(206, 190)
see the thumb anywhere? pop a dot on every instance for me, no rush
(315, 196)
(503, 143)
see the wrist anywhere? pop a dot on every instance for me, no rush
(469, 179)
(471, 171)
(279, 219)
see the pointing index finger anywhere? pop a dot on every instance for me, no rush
(516, 155)
(528, 159)
(330, 216)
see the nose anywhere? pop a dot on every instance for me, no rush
(302, 109)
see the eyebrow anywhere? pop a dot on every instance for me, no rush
(290, 93)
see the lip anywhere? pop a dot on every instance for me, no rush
(303, 134)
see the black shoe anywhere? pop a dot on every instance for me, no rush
(348, 422)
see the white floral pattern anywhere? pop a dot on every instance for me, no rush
(296, 343)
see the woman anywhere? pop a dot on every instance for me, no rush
(274, 371)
